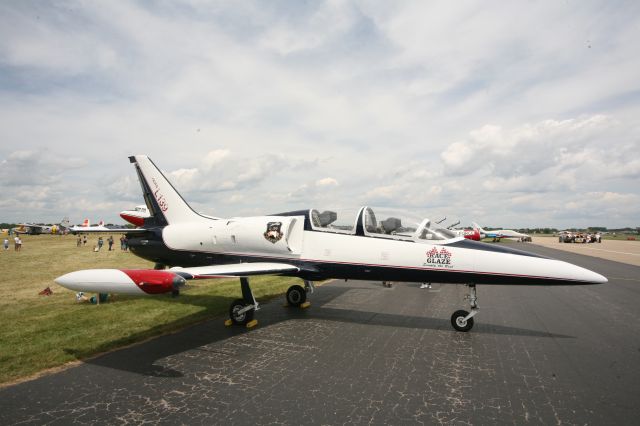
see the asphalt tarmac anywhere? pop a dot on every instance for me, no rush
(366, 354)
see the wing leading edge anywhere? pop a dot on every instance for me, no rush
(234, 270)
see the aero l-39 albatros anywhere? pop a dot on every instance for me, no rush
(309, 244)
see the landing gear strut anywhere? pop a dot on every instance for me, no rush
(241, 310)
(462, 320)
(297, 296)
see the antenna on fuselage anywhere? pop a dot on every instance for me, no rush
(453, 224)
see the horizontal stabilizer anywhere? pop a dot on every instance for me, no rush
(105, 230)
(235, 270)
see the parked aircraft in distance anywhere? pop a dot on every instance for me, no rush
(37, 229)
(470, 234)
(140, 213)
(311, 244)
(136, 216)
(497, 234)
(87, 228)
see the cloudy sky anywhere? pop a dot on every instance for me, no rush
(511, 114)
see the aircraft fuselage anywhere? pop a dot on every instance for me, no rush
(324, 255)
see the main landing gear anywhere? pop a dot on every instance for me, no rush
(297, 295)
(241, 311)
(462, 320)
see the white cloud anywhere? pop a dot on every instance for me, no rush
(328, 181)
(215, 157)
(251, 106)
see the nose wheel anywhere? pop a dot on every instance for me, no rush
(462, 320)
(459, 322)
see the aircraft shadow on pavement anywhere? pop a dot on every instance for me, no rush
(141, 358)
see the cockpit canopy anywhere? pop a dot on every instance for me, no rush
(383, 223)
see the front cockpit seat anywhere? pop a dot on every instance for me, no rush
(391, 224)
(327, 217)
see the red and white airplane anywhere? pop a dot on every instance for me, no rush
(140, 213)
(310, 244)
(469, 234)
(136, 216)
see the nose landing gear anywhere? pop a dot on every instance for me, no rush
(462, 320)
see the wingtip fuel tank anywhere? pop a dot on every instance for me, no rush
(123, 281)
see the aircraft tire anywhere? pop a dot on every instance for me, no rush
(458, 324)
(296, 295)
(239, 319)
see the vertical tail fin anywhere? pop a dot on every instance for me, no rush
(479, 228)
(165, 204)
(86, 222)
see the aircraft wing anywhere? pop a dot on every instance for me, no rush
(234, 270)
(152, 281)
(103, 230)
(30, 225)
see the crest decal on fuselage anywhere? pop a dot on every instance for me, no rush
(273, 233)
(439, 259)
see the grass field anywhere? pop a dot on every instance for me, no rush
(40, 332)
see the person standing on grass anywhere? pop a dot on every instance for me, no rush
(100, 243)
(15, 243)
(122, 242)
(19, 244)
(84, 240)
(110, 241)
(6, 244)
(79, 242)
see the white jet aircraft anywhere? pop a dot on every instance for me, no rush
(310, 244)
(500, 233)
(88, 228)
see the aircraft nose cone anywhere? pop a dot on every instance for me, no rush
(587, 276)
(598, 279)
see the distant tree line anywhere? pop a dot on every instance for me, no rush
(627, 230)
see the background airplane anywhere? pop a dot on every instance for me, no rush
(312, 245)
(501, 233)
(470, 234)
(36, 229)
(140, 213)
(136, 216)
(87, 228)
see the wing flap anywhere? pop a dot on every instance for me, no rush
(234, 270)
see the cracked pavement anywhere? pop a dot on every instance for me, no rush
(366, 354)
